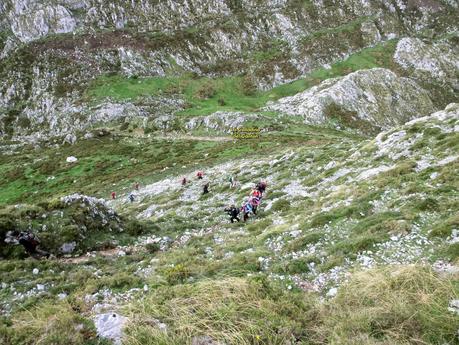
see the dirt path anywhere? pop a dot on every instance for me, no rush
(193, 137)
(140, 134)
(85, 258)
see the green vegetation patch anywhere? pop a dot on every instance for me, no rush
(207, 95)
(231, 310)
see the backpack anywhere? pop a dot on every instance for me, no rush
(248, 208)
(255, 201)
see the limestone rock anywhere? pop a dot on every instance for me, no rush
(221, 121)
(376, 98)
(110, 326)
(71, 159)
(68, 248)
(439, 61)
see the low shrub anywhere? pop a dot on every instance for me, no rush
(152, 247)
(281, 205)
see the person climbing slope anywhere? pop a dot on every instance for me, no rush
(232, 181)
(200, 175)
(233, 212)
(261, 186)
(246, 210)
(113, 195)
(256, 193)
(136, 186)
(131, 197)
(29, 241)
(254, 202)
(184, 181)
(205, 188)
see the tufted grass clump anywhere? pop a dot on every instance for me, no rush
(393, 305)
(231, 310)
(50, 324)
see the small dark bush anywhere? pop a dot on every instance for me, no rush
(134, 228)
(221, 101)
(152, 247)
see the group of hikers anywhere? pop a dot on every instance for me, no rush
(131, 195)
(31, 243)
(250, 206)
(199, 176)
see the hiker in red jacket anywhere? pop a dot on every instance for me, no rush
(113, 195)
(184, 181)
(200, 175)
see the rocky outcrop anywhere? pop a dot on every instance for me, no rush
(51, 50)
(367, 99)
(221, 121)
(439, 61)
(433, 65)
(64, 226)
(30, 21)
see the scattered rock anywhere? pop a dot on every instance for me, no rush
(62, 296)
(204, 340)
(110, 326)
(454, 306)
(332, 292)
(71, 159)
(68, 248)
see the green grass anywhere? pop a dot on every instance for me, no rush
(349, 27)
(197, 288)
(232, 310)
(204, 95)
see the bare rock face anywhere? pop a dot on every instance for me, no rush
(50, 51)
(375, 98)
(437, 62)
(31, 20)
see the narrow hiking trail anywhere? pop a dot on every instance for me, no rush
(194, 138)
(175, 136)
(88, 256)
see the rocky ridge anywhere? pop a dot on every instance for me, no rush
(54, 50)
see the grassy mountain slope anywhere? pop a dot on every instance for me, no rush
(356, 113)
(369, 217)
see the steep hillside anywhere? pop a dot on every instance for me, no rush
(335, 205)
(348, 110)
